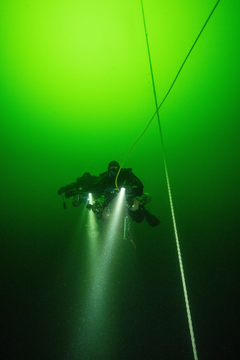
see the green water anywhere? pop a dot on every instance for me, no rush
(76, 93)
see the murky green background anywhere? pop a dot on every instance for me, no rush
(76, 93)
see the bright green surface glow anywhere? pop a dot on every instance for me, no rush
(78, 64)
(76, 73)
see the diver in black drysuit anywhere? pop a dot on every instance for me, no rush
(105, 182)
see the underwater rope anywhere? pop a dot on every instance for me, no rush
(167, 176)
(158, 107)
(171, 202)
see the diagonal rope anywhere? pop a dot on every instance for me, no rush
(158, 107)
(178, 73)
(166, 170)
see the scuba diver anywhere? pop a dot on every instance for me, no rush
(105, 186)
(136, 199)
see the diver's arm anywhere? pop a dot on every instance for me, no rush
(64, 189)
(86, 182)
(83, 181)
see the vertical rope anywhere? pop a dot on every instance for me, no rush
(171, 202)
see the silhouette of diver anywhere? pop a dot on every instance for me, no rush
(104, 185)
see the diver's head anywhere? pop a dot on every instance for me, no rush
(113, 168)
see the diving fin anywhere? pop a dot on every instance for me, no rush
(151, 219)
